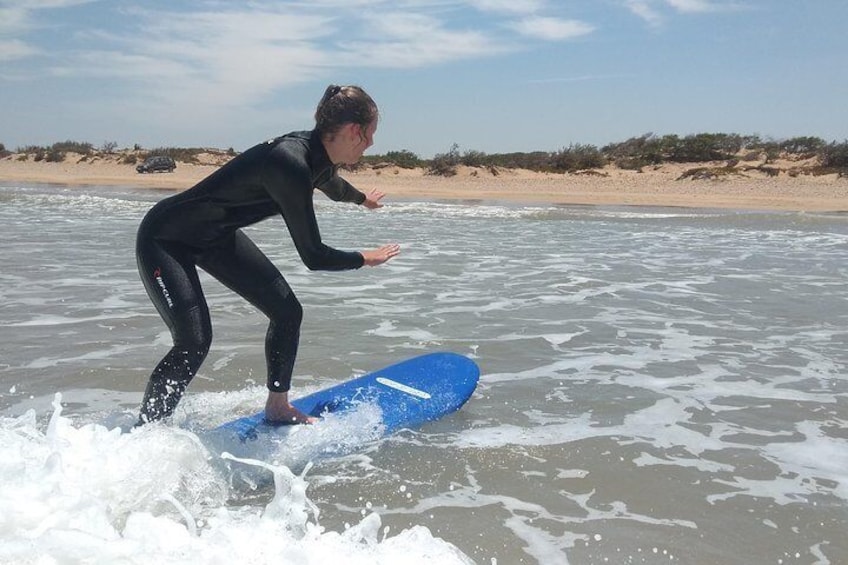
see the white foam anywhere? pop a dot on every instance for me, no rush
(388, 328)
(85, 493)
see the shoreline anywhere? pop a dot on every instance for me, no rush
(657, 187)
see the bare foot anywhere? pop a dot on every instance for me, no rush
(278, 410)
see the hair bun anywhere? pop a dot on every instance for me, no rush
(354, 107)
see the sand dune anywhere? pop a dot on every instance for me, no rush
(659, 186)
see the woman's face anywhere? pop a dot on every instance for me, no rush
(361, 138)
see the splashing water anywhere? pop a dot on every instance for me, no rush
(86, 493)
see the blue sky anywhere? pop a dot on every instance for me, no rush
(490, 75)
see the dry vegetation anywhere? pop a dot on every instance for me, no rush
(714, 156)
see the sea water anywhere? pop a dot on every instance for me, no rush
(658, 386)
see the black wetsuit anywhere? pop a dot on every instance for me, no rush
(200, 227)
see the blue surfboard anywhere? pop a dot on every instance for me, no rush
(408, 394)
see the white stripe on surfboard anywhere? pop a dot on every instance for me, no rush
(403, 388)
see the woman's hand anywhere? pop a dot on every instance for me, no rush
(380, 255)
(372, 199)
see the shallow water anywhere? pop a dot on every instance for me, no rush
(659, 385)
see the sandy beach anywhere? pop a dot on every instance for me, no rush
(747, 190)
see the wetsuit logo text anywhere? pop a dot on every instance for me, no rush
(157, 274)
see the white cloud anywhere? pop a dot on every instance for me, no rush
(651, 11)
(579, 78)
(644, 10)
(15, 49)
(693, 6)
(12, 19)
(44, 4)
(216, 59)
(199, 65)
(508, 6)
(404, 40)
(257, 50)
(192, 70)
(552, 29)
(16, 16)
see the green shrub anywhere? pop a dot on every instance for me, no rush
(577, 158)
(834, 156)
(473, 158)
(30, 149)
(772, 150)
(750, 142)
(54, 156)
(637, 152)
(445, 164)
(634, 153)
(803, 146)
(184, 154)
(404, 159)
(704, 147)
(71, 147)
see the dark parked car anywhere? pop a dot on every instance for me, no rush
(157, 164)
